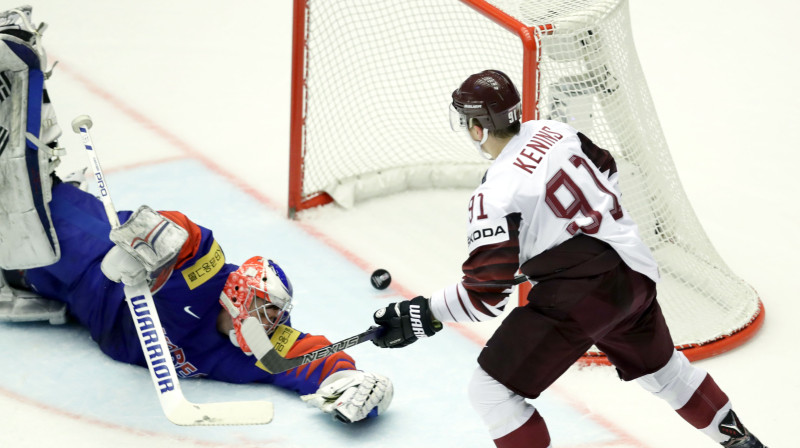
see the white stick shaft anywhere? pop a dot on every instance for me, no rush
(154, 344)
(105, 197)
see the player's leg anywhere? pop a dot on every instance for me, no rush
(642, 349)
(77, 280)
(696, 397)
(512, 422)
(532, 347)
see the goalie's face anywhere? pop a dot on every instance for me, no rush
(267, 310)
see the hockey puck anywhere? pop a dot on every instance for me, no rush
(380, 279)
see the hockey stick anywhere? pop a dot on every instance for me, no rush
(273, 362)
(176, 407)
(270, 359)
(500, 284)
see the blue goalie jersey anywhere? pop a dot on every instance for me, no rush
(188, 303)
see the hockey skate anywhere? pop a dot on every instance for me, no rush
(740, 436)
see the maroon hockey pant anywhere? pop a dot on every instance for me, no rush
(616, 310)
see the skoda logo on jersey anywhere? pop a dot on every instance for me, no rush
(485, 233)
(492, 232)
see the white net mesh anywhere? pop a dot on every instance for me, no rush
(378, 80)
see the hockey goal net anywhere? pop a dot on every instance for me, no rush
(363, 68)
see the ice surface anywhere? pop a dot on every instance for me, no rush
(190, 105)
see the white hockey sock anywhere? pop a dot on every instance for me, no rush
(506, 413)
(691, 392)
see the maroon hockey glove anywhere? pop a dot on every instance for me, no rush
(405, 322)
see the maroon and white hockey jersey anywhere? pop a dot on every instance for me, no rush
(548, 184)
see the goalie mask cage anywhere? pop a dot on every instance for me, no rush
(371, 88)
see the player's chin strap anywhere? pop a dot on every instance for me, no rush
(479, 145)
(352, 395)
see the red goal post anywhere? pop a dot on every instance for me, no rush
(367, 67)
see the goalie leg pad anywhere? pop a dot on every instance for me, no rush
(28, 131)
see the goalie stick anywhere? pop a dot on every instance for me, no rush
(176, 407)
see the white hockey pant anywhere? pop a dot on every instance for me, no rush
(691, 392)
(509, 418)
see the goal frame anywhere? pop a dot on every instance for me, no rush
(531, 53)
(530, 63)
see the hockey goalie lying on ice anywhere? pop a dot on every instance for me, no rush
(55, 241)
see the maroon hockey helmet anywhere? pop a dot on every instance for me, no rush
(490, 98)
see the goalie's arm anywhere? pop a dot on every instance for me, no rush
(271, 358)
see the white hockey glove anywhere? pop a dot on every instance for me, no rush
(120, 266)
(149, 239)
(352, 395)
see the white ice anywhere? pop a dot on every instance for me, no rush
(190, 101)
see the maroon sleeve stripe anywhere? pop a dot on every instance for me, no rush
(492, 263)
(449, 310)
(466, 310)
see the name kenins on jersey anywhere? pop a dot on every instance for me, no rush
(536, 148)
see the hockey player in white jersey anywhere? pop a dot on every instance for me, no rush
(549, 206)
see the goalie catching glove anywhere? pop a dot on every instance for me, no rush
(352, 395)
(405, 322)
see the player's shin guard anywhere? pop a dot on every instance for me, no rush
(512, 422)
(693, 394)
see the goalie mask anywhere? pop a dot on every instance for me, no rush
(259, 288)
